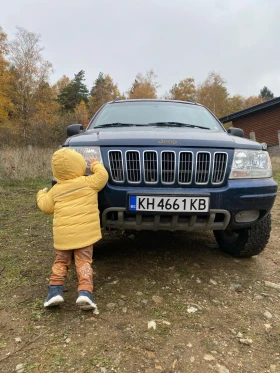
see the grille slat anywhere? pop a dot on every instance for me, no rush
(150, 167)
(202, 168)
(116, 165)
(185, 167)
(133, 166)
(219, 169)
(168, 167)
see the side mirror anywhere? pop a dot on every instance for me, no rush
(74, 129)
(236, 131)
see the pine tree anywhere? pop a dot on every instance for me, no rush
(266, 94)
(75, 92)
(103, 90)
(98, 82)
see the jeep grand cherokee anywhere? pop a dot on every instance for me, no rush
(173, 166)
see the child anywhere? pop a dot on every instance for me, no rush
(76, 225)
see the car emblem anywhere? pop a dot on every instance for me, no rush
(168, 142)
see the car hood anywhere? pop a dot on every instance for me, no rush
(158, 136)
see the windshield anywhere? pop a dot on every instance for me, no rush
(149, 113)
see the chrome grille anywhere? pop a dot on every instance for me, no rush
(133, 166)
(116, 165)
(219, 169)
(185, 167)
(150, 167)
(202, 168)
(168, 167)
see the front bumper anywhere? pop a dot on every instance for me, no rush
(225, 203)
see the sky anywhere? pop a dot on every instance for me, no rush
(239, 39)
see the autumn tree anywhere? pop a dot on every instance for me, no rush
(74, 92)
(266, 94)
(144, 86)
(235, 103)
(47, 107)
(213, 94)
(103, 90)
(185, 90)
(61, 84)
(81, 113)
(30, 71)
(5, 80)
(252, 101)
(238, 103)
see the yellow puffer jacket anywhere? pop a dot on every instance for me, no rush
(73, 200)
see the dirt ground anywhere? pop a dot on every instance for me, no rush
(207, 311)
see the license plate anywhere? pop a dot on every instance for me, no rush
(168, 204)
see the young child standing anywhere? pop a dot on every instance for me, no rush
(76, 224)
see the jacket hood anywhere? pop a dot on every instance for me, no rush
(67, 164)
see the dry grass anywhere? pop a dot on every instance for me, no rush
(19, 164)
(275, 164)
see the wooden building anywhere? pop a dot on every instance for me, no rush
(261, 121)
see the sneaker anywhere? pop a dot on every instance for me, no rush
(55, 296)
(85, 301)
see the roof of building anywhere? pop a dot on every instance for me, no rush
(250, 110)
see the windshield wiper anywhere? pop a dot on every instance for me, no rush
(177, 124)
(163, 124)
(118, 124)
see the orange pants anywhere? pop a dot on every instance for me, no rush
(83, 260)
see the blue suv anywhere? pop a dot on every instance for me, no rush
(173, 166)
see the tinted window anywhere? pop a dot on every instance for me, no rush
(148, 112)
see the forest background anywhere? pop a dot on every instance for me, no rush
(35, 112)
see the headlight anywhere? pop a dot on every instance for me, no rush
(88, 152)
(250, 164)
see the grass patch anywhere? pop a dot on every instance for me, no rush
(276, 177)
(159, 315)
(37, 184)
(180, 308)
(99, 361)
(10, 268)
(37, 309)
(31, 367)
(276, 168)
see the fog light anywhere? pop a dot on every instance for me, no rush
(247, 216)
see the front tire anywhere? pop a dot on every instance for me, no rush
(245, 242)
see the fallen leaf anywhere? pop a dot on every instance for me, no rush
(158, 367)
(174, 364)
(151, 354)
(166, 322)
(157, 299)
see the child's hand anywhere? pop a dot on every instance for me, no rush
(92, 160)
